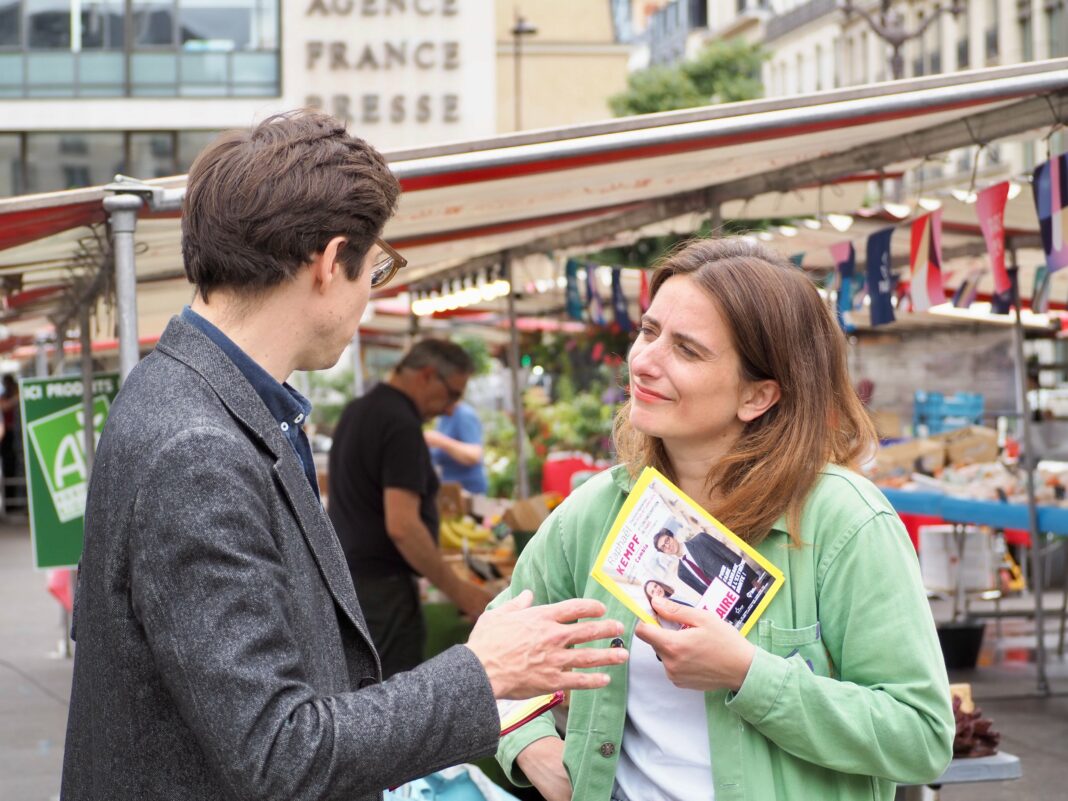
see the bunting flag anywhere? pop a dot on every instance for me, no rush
(1050, 184)
(880, 282)
(571, 293)
(968, 289)
(619, 302)
(798, 260)
(859, 291)
(593, 300)
(1001, 302)
(845, 264)
(1040, 291)
(643, 293)
(926, 261)
(990, 206)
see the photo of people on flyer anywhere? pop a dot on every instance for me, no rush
(663, 544)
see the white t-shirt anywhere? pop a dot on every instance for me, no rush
(665, 752)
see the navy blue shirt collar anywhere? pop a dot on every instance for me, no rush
(286, 405)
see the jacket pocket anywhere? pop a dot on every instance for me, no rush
(805, 643)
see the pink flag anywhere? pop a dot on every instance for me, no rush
(926, 260)
(990, 206)
(59, 584)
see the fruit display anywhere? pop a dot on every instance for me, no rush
(456, 531)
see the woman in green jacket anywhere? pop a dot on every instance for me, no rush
(740, 394)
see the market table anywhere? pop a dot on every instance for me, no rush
(1051, 520)
(997, 768)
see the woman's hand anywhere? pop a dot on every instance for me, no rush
(709, 655)
(542, 762)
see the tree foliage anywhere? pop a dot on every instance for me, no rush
(724, 72)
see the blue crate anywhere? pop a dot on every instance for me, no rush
(939, 413)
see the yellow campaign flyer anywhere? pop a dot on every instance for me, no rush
(514, 714)
(663, 543)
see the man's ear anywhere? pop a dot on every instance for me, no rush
(325, 266)
(757, 398)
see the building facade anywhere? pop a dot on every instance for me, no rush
(568, 68)
(91, 88)
(814, 46)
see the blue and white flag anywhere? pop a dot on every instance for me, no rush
(845, 263)
(880, 281)
(571, 293)
(619, 302)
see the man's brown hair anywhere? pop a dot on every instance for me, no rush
(260, 203)
(782, 330)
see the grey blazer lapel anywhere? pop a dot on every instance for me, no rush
(321, 538)
(185, 343)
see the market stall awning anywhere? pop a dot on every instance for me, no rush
(582, 186)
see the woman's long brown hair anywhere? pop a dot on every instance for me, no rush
(782, 330)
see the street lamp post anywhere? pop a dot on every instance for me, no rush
(890, 27)
(521, 28)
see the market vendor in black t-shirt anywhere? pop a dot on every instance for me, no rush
(383, 499)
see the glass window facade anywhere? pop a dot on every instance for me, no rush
(190, 143)
(152, 155)
(139, 48)
(10, 164)
(69, 160)
(991, 33)
(10, 23)
(49, 161)
(1056, 30)
(47, 24)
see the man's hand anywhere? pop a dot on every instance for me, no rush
(542, 762)
(526, 650)
(709, 655)
(471, 598)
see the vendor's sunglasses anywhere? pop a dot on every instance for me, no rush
(387, 265)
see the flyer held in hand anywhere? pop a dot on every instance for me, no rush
(664, 544)
(514, 714)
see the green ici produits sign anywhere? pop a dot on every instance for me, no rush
(57, 471)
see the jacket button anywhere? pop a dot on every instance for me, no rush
(608, 749)
(617, 642)
(367, 681)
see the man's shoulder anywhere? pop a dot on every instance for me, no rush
(381, 410)
(161, 399)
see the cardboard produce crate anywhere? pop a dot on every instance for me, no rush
(970, 445)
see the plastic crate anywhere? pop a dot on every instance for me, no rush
(934, 413)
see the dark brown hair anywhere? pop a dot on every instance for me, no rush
(260, 203)
(782, 330)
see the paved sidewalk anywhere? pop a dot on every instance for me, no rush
(35, 688)
(34, 678)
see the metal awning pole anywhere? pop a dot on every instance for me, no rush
(1029, 463)
(522, 480)
(357, 364)
(40, 357)
(122, 209)
(87, 389)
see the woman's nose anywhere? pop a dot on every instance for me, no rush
(643, 358)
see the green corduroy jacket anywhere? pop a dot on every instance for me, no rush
(847, 694)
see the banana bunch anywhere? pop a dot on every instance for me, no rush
(454, 531)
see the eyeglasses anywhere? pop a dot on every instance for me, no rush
(386, 267)
(454, 394)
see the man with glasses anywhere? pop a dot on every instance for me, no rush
(383, 499)
(221, 650)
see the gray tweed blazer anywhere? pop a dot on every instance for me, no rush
(221, 652)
